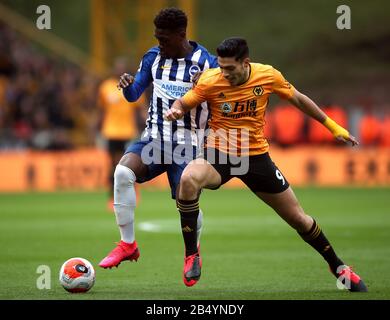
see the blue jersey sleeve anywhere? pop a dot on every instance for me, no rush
(142, 79)
(213, 61)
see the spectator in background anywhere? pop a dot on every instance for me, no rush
(117, 119)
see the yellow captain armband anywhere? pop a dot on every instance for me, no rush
(337, 130)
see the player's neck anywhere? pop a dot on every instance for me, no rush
(186, 49)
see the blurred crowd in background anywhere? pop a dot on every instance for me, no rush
(49, 104)
(45, 103)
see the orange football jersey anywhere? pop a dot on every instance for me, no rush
(119, 120)
(237, 112)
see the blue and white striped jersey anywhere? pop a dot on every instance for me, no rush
(171, 79)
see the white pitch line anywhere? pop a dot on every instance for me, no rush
(212, 225)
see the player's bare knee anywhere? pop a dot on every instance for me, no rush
(134, 162)
(189, 185)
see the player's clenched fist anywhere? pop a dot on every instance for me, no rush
(125, 80)
(174, 114)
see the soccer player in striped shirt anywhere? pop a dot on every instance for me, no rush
(238, 93)
(164, 146)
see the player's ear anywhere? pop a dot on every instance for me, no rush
(247, 61)
(182, 33)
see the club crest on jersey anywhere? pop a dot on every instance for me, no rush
(226, 107)
(258, 90)
(193, 69)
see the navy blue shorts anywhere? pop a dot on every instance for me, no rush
(162, 156)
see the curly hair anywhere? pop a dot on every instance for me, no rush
(172, 19)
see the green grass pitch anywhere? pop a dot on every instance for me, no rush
(248, 251)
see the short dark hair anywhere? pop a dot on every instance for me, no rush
(172, 19)
(233, 47)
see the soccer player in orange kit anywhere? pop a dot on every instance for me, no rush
(238, 93)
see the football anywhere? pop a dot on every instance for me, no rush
(77, 275)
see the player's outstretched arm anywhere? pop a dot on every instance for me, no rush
(309, 107)
(190, 100)
(177, 110)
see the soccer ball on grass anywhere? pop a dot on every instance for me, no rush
(77, 275)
